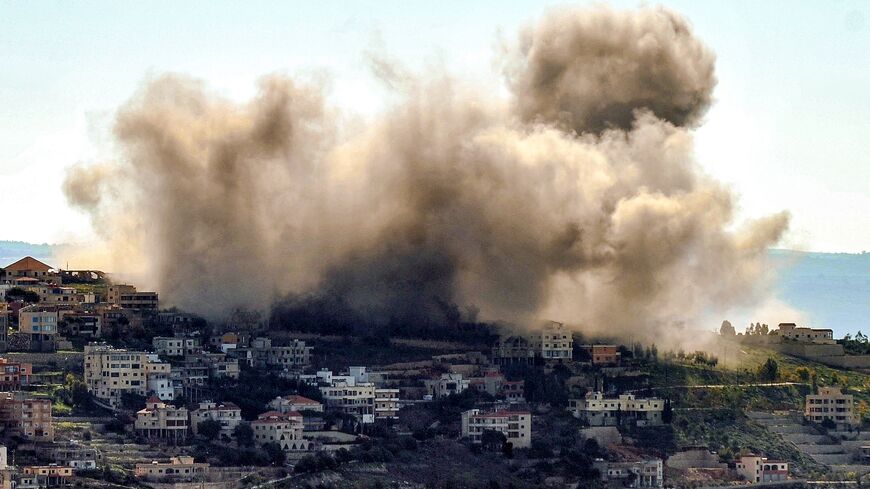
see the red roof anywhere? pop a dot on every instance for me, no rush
(295, 399)
(153, 399)
(28, 263)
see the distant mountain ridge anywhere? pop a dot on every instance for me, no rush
(833, 289)
(10, 251)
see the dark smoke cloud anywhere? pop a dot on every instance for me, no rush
(589, 70)
(452, 197)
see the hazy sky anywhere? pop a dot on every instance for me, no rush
(789, 129)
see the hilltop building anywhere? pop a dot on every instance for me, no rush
(31, 268)
(790, 331)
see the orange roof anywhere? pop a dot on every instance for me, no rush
(28, 263)
(296, 399)
(153, 399)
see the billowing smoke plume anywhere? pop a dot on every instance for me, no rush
(589, 70)
(577, 200)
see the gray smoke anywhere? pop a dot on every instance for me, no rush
(578, 200)
(589, 70)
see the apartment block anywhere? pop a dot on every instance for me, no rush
(42, 476)
(285, 429)
(349, 397)
(39, 323)
(127, 297)
(14, 375)
(110, 372)
(386, 403)
(177, 346)
(227, 414)
(554, 343)
(606, 355)
(27, 417)
(600, 411)
(161, 421)
(86, 324)
(831, 404)
(516, 426)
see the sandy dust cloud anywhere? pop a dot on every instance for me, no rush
(577, 199)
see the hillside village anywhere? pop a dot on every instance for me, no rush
(104, 387)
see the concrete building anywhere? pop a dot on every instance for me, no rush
(29, 267)
(161, 421)
(602, 354)
(286, 404)
(791, 331)
(14, 375)
(516, 426)
(127, 297)
(227, 414)
(84, 324)
(386, 403)
(349, 397)
(446, 385)
(643, 473)
(55, 294)
(599, 411)
(27, 417)
(40, 324)
(46, 476)
(177, 346)
(179, 469)
(110, 372)
(554, 343)
(760, 470)
(830, 403)
(79, 457)
(285, 429)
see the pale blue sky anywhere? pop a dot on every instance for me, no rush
(789, 130)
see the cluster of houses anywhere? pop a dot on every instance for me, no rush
(184, 364)
(57, 310)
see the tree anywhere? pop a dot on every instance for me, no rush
(727, 329)
(210, 429)
(275, 453)
(19, 294)
(244, 435)
(668, 412)
(769, 370)
(803, 373)
(492, 440)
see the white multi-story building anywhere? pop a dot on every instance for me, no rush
(759, 469)
(350, 397)
(447, 385)
(285, 429)
(644, 473)
(111, 372)
(600, 411)
(227, 414)
(554, 342)
(516, 426)
(830, 403)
